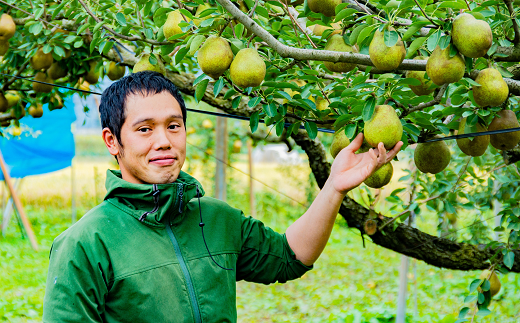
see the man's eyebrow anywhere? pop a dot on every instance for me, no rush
(173, 116)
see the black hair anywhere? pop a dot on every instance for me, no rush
(113, 100)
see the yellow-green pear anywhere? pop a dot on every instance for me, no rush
(424, 88)
(326, 7)
(319, 29)
(471, 36)
(40, 60)
(384, 126)
(380, 177)
(200, 9)
(12, 98)
(7, 27)
(92, 75)
(4, 105)
(115, 71)
(247, 69)
(39, 87)
(56, 71)
(386, 58)
(339, 141)
(432, 157)
(442, 69)
(337, 44)
(171, 26)
(493, 90)
(505, 119)
(36, 111)
(4, 47)
(493, 280)
(215, 56)
(475, 146)
(144, 65)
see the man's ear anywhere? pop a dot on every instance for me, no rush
(111, 142)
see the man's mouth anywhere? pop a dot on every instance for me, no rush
(162, 160)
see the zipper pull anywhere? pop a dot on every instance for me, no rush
(181, 193)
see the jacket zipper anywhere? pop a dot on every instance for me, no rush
(184, 267)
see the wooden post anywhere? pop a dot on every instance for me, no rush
(8, 209)
(221, 148)
(251, 190)
(18, 204)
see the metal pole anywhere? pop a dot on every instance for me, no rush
(221, 153)
(8, 210)
(251, 190)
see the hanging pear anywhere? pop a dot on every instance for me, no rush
(7, 27)
(339, 141)
(40, 60)
(380, 177)
(386, 58)
(432, 157)
(115, 71)
(215, 56)
(424, 88)
(475, 146)
(247, 69)
(337, 44)
(505, 119)
(442, 69)
(493, 90)
(171, 25)
(326, 7)
(39, 87)
(384, 126)
(472, 37)
(56, 71)
(4, 47)
(144, 65)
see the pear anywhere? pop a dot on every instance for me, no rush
(475, 146)
(171, 26)
(326, 7)
(471, 36)
(452, 218)
(7, 27)
(384, 126)
(93, 75)
(442, 69)
(432, 157)
(145, 65)
(505, 119)
(386, 58)
(85, 86)
(17, 112)
(4, 105)
(200, 9)
(40, 60)
(215, 56)
(339, 141)
(115, 71)
(493, 90)
(36, 111)
(56, 102)
(319, 29)
(424, 88)
(44, 88)
(56, 71)
(337, 44)
(12, 98)
(493, 280)
(380, 177)
(4, 47)
(247, 69)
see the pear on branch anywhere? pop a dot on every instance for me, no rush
(215, 56)
(4, 47)
(475, 146)
(12, 98)
(247, 69)
(505, 119)
(92, 75)
(56, 71)
(442, 69)
(115, 71)
(493, 280)
(40, 60)
(432, 157)
(144, 64)
(7, 27)
(319, 29)
(171, 25)
(386, 58)
(39, 87)
(36, 111)
(339, 141)
(384, 126)
(337, 43)
(472, 37)
(424, 88)
(326, 7)
(4, 104)
(493, 90)
(380, 177)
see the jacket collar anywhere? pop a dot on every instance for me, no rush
(138, 199)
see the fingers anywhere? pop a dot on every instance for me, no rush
(356, 143)
(391, 154)
(382, 159)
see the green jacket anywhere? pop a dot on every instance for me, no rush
(121, 263)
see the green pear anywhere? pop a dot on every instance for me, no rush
(44, 88)
(200, 9)
(326, 7)
(319, 29)
(493, 280)
(337, 44)
(247, 69)
(36, 111)
(144, 65)
(471, 36)
(386, 58)
(432, 157)
(493, 90)
(505, 119)
(12, 98)
(452, 218)
(475, 146)
(7, 27)
(56, 71)
(4, 47)
(40, 60)
(92, 75)
(339, 141)
(115, 71)
(171, 25)
(384, 126)
(4, 104)
(380, 177)
(442, 69)
(424, 88)
(215, 56)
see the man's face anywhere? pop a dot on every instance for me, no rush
(153, 140)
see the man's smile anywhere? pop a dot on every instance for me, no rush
(163, 160)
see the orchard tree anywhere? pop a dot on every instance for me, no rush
(409, 70)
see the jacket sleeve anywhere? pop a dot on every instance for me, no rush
(266, 256)
(76, 284)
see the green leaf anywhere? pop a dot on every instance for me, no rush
(236, 102)
(82, 29)
(253, 121)
(311, 128)
(483, 312)
(180, 54)
(201, 89)
(350, 130)
(148, 8)
(270, 109)
(254, 102)
(160, 15)
(463, 312)
(452, 4)
(474, 284)
(410, 81)
(414, 46)
(229, 93)
(195, 44)
(198, 79)
(344, 13)
(121, 19)
(390, 37)
(471, 82)
(106, 47)
(504, 72)
(38, 13)
(355, 33)
(69, 39)
(444, 42)
(59, 51)
(219, 85)
(280, 125)
(365, 33)
(509, 259)
(481, 298)
(433, 40)
(368, 109)
(59, 8)
(152, 59)
(470, 298)
(453, 51)
(186, 13)
(416, 26)
(486, 285)
(98, 25)
(47, 48)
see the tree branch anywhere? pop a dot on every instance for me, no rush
(425, 105)
(512, 14)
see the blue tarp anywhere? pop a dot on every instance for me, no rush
(47, 147)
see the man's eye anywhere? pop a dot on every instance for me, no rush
(174, 126)
(144, 129)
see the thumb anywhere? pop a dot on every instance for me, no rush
(356, 143)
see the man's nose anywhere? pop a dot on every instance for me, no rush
(161, 140)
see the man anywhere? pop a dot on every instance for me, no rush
(143, 255)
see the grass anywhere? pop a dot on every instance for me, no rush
(349, 283)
